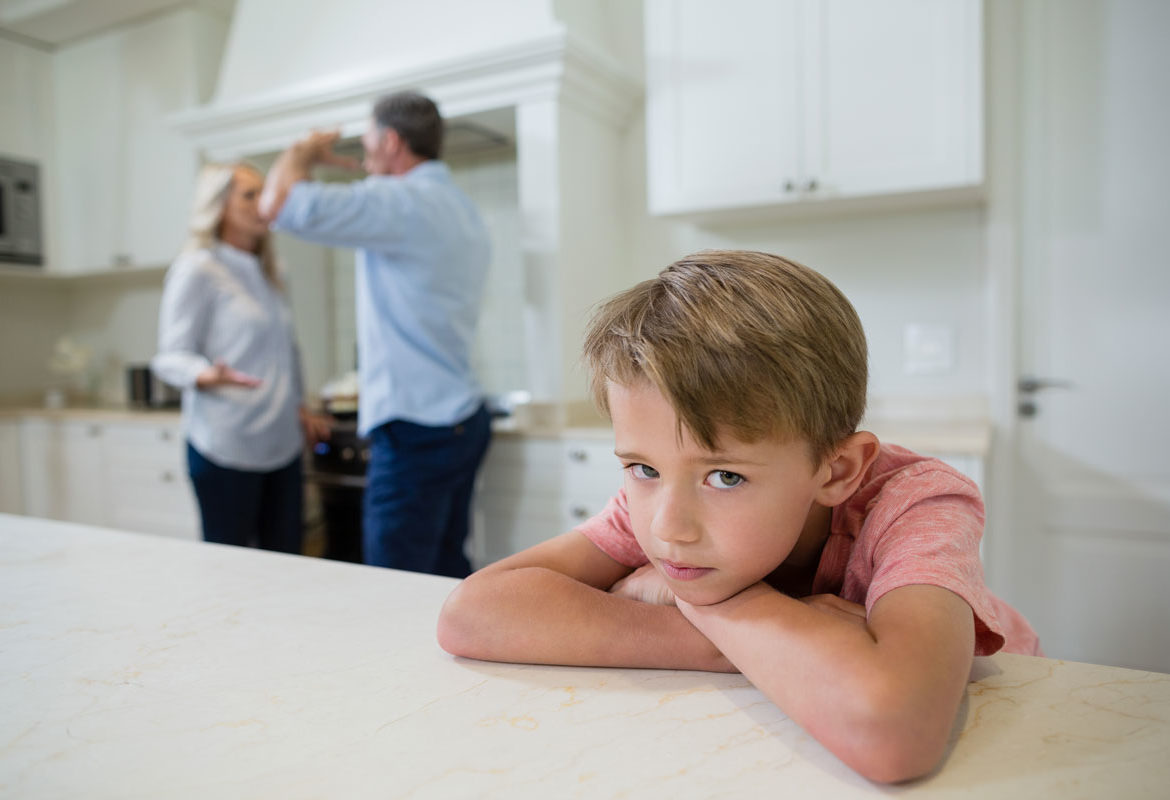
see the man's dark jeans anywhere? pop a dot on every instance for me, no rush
(417, 503)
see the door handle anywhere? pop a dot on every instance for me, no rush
(1030, 385)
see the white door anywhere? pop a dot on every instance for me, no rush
(1091, 534)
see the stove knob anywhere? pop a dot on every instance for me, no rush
(347, 454)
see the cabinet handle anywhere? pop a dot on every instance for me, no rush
(95, 431)
(789, 186)
(579, 512)
(165, 435)
(578, 455)
(811, 186)
(168, 476)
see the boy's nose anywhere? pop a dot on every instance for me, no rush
(674, 521)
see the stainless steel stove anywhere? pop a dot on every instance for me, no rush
(336, 470)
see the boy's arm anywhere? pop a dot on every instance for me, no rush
(549, 605)
(881, 695)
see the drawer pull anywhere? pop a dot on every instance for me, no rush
(168, 476)
(579, 455)
(579, 512)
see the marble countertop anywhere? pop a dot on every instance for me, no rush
(137, 666)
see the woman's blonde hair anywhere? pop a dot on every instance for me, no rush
(742, 342)
(212, 188)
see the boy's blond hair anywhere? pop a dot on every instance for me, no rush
(738, 341)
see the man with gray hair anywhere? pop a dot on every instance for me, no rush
(422, 260)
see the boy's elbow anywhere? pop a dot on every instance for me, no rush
(891, 761)
(456, 627)
(895, 740)
(459, 631)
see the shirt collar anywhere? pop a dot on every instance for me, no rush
(431, 167)
(240, 262)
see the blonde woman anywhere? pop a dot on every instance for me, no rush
(225, 337)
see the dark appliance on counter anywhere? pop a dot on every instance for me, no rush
(337, 470)
(145, 390)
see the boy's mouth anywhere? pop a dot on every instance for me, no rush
(682, 572)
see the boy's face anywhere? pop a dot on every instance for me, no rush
(712, 523)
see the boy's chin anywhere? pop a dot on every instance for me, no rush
(697, 596)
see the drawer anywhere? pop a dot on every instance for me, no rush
(158, 446)
(150, 499)
(591, 467)
(582, 505)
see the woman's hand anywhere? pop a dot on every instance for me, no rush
(315, 426)
(220, 374)
(646, 585)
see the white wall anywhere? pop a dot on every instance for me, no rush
(32, 316)
(897, 267)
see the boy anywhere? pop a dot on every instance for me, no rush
(757, 529)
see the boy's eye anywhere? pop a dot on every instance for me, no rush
(642, 472)
(722, 479)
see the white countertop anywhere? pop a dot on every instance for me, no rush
(137, 666)
(965, 436)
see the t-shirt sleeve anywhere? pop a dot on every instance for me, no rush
(932, 537)
(611, 531)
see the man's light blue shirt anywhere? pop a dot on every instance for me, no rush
(422, 258)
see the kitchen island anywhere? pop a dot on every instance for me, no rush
(139, 666)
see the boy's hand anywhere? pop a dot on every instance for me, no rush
(646, 585)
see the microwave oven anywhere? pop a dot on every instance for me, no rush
(20, 212)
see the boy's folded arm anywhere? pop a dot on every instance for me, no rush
(549, 605)
(882, 696)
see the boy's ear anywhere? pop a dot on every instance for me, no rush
(847, 466)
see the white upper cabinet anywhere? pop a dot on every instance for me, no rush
(125, 176)
(753, 103)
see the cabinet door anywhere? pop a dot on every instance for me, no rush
(160, 167)
(125, 175)
(721, 103)
(82, 479)
(893, 99)
(592, 476)
(518, 497)
(148, 487)
(40, 459)
(11, 499)
(88, 103)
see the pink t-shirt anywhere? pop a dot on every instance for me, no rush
(913, 520)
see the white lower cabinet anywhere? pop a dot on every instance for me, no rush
(148, 485)
(40, 458)
(534, 488)
(11, 482)
(128, 475)
(82, 476)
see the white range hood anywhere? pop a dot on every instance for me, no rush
(289, 67)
